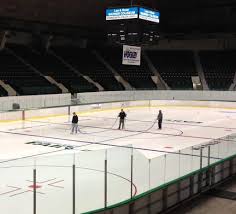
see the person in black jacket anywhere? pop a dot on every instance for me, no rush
(160, 118)
(75, 126)
(122, 116)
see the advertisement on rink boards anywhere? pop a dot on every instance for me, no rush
(131, 55)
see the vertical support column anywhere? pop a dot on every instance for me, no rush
(222, 165)
(35, 185)
(179, 183)
(165, 169)
(209, 155)
(191, 185)
(131, 172)
(201, 157)
(179, 163)
(149, 174)
(192, 159)
(208, 164)
(73, 186)
(23, 114)
(105, 181)
(200, 174)
(149, 186)
(68, 113)
(131, 206)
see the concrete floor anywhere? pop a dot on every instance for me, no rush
(210, 204)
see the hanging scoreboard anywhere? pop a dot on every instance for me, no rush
(149, 15)
(122, 13)
(132, 25)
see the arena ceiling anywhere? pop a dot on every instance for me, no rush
(87, 17)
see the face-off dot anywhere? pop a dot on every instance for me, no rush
(35, 186)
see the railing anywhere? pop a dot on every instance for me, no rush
(75, 180)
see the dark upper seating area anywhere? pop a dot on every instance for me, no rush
(138, 76)
(24, 80)
(175, 67)
(219, 68)
(49, 65)
(87, 64)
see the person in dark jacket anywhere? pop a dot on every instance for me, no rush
(122, 116)
(75, 126)
(160, 118)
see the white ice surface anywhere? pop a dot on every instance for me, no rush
(183, 127)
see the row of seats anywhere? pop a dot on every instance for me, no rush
(175, 67)
(49, 65)
(138, 76)
(219, 68)
(22, 78)
(87, 64)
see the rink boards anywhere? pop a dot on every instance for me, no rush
(11, 116)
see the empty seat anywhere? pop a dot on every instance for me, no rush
(175, 67)
(219, 68)
(138, 76)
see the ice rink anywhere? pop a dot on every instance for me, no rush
(183, 128)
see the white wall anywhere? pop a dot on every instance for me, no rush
(109, 100)
(37, 101)
(97, 97)
(63, 111)
(42, 101)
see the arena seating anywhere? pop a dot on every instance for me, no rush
(49, 65)
(87, 64)
(175, 67)
(138, 76)
(219, 68)
(24, 80)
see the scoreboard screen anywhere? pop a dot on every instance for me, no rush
(122, 13)
(149, 15)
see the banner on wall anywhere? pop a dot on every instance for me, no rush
(131, 55)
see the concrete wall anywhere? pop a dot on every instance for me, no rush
(54, 105)
(108, 96)
(42, 101)
(67, 110)
(37, 101)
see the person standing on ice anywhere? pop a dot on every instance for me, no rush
(75, 126)
(122, 116)
(160, 118)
